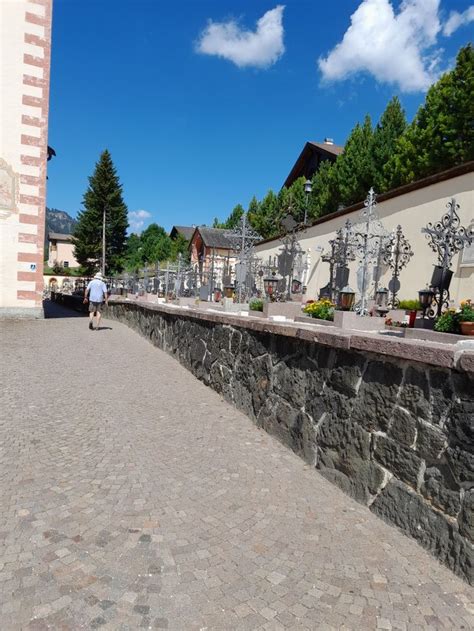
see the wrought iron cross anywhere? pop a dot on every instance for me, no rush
(396, 253)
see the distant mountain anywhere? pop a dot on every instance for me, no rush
(59, 221)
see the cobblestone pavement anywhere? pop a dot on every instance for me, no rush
(132, 496)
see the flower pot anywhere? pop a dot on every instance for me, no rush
(467, 328)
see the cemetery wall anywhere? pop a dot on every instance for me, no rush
(413, 207)
(389, 421)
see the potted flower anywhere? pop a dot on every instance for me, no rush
(466, 318)
(448, 322)
(322, 309)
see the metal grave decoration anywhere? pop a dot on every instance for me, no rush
(341, 252)
(369, 238)
(396, 253)
(446, 238)
(292, 261)
(243, 240)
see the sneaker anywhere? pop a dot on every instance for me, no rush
(91, 326)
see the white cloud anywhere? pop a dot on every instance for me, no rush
(456, 20)
(260, 48)
(393, 47)
(136, 219)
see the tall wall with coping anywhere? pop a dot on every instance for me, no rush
(388, 421)
(412, 207)
(25, 45)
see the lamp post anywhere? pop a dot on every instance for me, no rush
(104, 216)
(307, 189)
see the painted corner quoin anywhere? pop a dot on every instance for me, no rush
(25, 39)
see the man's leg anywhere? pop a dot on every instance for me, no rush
(98, 317)
(91, 317)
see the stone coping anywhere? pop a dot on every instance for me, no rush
(459, 356)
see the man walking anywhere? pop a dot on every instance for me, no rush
(96, 294)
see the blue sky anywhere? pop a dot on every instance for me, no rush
(202, 106)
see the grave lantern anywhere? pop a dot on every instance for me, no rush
(346, 298)
(381, 301)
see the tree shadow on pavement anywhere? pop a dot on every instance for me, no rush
(55, 310)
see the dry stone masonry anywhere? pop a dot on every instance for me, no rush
(396, 434)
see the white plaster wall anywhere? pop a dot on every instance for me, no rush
(412, 211)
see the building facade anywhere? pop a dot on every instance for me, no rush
(213, 256)
(61, 250)
(25, 41)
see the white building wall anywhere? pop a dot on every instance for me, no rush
(413, 211)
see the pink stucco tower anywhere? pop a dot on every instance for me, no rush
(25, 51)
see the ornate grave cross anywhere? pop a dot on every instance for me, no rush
(446, 238)
(369, 237)
(243, 240)
(396, 253)
(342, 251)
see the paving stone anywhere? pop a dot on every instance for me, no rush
(148, 500)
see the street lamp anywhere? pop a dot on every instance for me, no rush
(307, 189)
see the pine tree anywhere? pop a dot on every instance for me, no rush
(442, 133)
(104, 192)
(355, 167)
(389, 129)
(325, 195)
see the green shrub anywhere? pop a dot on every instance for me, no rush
(256, 304)
(448, 322)
(410, 305)
(467, 312)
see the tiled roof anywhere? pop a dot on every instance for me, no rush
(216, 238)
(186, 231)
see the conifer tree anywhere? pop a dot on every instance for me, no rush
(104, 192)
(325, 195)
(391, 126)
(442, 133)
(355, 167)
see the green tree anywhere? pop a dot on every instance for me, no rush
(389, 129)
(232, 220)
(355, 167)
(325, 193)
(265, 216)
(442, 133)
(180, 245)
(103, 193)
(133, 258)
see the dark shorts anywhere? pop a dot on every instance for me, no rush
(95, 306)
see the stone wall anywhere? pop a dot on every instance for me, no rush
(395, 434)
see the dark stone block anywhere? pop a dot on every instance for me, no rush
(359, 479)
(402, 462)
(402, 427)
(430, 442)
(466, 518)
(415, 394)
(398, 505)
(377, 395)
(261, 370)
(297, 380)
(461, 464)
(441, 489)
(281, 420)
(347, 372)
(460, 424)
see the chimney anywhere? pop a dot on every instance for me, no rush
(328, 141)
